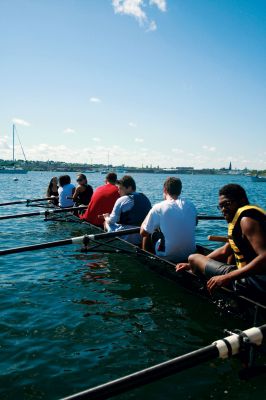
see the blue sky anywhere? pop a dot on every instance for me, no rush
(161, 82)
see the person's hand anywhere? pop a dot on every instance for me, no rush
(182, 266)
(106, 215)
(218, 281)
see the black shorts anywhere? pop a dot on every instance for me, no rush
(214, 268)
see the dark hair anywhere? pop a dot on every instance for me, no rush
(127, 181)
(82, 176)
(64, 180)
(111, 177)
(234, 192)
(173, 186)
(50, 186)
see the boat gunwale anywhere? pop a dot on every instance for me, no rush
(184, 275)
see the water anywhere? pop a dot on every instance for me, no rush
(70, 321)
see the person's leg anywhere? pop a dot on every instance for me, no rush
(208, 266)
(197, 263)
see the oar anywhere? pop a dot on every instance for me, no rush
(215, 238)
(76, 240)
(210, 217)
(26, 201)
(223, 348)
(45, 213)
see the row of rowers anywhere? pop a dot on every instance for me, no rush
(168, 229)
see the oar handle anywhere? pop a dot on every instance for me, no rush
(215, 238)
(107, 235)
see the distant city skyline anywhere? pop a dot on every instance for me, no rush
(161, 82)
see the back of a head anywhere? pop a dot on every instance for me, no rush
(173, 186)
(64, 180)
(127, 181)
(82, 176)
(234, 192)
(111, 177)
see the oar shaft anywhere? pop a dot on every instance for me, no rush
(32, 214)
(223, 348)
(45, 213)
(25, 201)
(36, 247)
(76, 240)
(148, 375)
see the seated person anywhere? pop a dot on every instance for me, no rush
(129, 210)
(65, 191)
(52, 191)
(176, 218)
(102, 201)
(83, 192)
(247, 245)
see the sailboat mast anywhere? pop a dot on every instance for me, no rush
(13, 143)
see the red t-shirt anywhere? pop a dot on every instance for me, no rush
(102, 202)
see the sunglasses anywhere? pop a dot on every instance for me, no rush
(79, 180)
(225, 204)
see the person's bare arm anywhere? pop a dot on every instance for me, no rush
(222, 253)
(75, 193)
(146, 240)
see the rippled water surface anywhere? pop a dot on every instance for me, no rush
(71, 320)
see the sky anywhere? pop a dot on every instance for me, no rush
(142, 82)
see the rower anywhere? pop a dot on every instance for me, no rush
(65, 191)
(83, 192)
(52, 190)
(246, 244)
(129, 210)
(102, 201)
(169, 228)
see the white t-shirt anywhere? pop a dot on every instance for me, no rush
(177, 221)
(64, 192)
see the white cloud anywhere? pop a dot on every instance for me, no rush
(161, 4)
(69, 130)
(139, 140)
(95, 100)
(177, 151)
(208, 148)
(21, 122)
(137, 9)
(4, 144)
(119, 155)
(130, 7)
(96, 139)
(132, 124)
(152, 26)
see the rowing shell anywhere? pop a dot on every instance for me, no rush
(226, 299)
